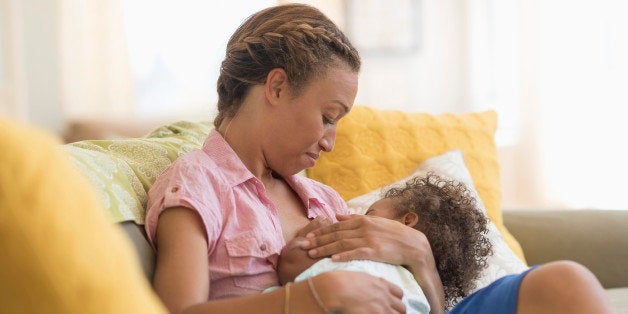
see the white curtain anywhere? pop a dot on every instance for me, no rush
(558, 77)
(94, 61)
(12, 80)
(583, 81)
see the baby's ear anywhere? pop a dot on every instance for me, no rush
(410, 219)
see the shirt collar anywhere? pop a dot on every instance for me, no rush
(236, 172)
(226, 159)
(306, 195)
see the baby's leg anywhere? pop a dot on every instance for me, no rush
(562, 287)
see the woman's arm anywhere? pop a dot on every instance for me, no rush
(181, 274)
(383, 240)
(182, 279)
(347, 292)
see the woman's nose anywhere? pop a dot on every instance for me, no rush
(327, 141)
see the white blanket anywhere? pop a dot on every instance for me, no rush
(413, 296)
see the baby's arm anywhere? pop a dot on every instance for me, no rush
(293, 260)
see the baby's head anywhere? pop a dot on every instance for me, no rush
(446, 212)
(392, 208)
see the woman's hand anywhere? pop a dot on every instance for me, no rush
(368, 237)
(357, 292)
(383, 240)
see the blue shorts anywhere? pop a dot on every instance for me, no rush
(498, 297)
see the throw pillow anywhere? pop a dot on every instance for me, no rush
(451, 164)
(122, 171)
(59, 254)
(374, 147)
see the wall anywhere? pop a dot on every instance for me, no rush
(431, 79)
(32, 63)
(42, 63)
(12, 86)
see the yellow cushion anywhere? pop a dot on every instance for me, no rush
(59, 254)
(376, 147)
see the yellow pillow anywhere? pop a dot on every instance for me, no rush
(59, 254)
(376, 147)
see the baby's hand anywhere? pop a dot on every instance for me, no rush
(293, 259)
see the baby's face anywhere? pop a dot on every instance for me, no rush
(384, 208)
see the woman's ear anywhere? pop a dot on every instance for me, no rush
(410, 219)
(276, 85)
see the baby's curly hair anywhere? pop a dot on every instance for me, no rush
(455, 227)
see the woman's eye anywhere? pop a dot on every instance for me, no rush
(327, 120)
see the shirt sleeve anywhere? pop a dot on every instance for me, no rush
(188, 183)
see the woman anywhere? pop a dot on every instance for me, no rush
(219, 216)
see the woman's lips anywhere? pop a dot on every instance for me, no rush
(313, 158)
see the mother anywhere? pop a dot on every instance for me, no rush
(219, 216)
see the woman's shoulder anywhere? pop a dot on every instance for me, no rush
(196, 159)
(190, 170)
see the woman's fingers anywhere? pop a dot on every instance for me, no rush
(354, 238)
(396, 303)
(358, 292)
(366, 237)
(344, 250)
(316, 223)
(329, 232)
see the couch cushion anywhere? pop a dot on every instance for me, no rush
(58, 252)
(122, 171)
(375, 147)
(619, 299)
(595, 238)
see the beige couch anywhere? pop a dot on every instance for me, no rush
(596, 238)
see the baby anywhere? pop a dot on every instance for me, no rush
(445, 211)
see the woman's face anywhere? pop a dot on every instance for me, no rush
(305, 125)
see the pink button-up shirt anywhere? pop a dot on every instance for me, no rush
(243, 229)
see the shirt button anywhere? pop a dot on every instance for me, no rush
(262, 247)
(174, 189)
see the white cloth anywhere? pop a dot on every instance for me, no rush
(413, 296)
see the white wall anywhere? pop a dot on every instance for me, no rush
(431, 79)
(42, 63)
(31, 71)
(12, 85)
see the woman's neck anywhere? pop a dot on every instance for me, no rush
(242, 135)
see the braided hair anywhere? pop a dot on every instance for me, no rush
(295, 37)
(454, 226)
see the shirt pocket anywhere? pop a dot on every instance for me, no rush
(253, 260)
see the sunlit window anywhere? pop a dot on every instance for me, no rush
(494, 62)
(558, 79)
(584, 78)
(175, 50)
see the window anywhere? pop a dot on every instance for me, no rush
(175, 50)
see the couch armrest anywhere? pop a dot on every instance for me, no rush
(597, 239)
(142, 247)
